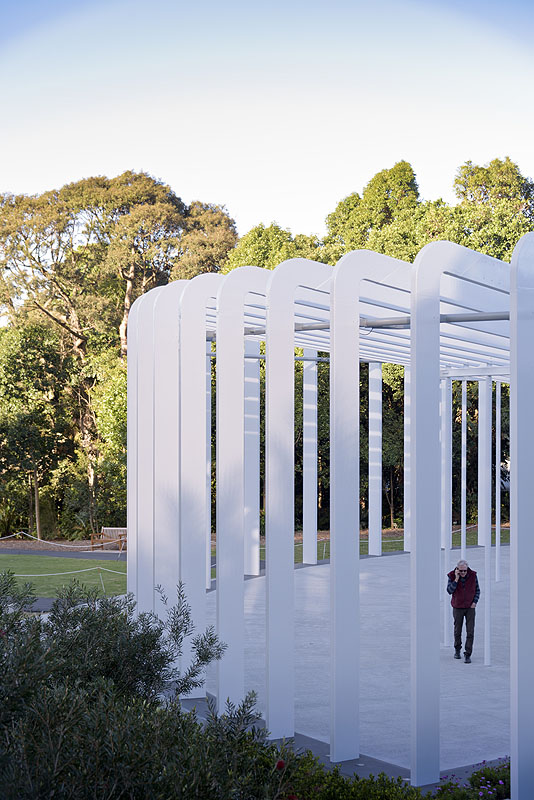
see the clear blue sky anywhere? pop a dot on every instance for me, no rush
(277, 110)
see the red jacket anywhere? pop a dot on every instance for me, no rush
(464, 594)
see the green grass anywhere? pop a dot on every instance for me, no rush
(48, 585)
(389, 544)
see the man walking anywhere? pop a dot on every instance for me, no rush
(465, 592)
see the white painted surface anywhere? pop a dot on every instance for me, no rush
(375, 459)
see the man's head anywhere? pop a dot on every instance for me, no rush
(462, 567)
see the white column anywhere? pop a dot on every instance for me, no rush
(252, 458)
(208, 465)
(446, 500)
(193, 489)
(425, 508)
(407, 534)
(521, 539)
(309, 458)
(132, 480)
(166, 443)
(484, 502)
(349, 273)
(230, 460)
(146, 579)
(279, 478)
(375, 459)
(463, 475)
(497, 481)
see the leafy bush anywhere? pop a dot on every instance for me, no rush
(82, 716)
(489, 781)
(79, 745)
(313, 780)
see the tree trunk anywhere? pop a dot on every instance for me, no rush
(92, 497)
(37, 507)
(30, 504)
(391, 505)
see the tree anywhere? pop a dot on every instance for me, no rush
(209, 236)
(496, 207)
(267, 247)
(389, 202)
(34, 429)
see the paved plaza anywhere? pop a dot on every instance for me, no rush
(475, 701)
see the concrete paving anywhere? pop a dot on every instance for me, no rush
(474, 698)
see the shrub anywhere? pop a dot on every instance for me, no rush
(313, 780)
(82, 716)
(489, 781)
(77, 744)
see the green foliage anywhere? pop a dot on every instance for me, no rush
(487, 782)
(82, 716)
(209, 236)
(73, 261)
(89, 640)
(313, 781)
(268, 246)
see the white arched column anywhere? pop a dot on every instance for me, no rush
(425, 519)
(463, 476)
(230, 460)
(446, 501)
(141, 559)
(279, 479)
(406, 501)
(309, 457)
(132, 479)
(194, 496)
(521, 539)
(436, 263)
(498, 420)
(375, 459)
(484, 502)
(349, 274)
(208, 464)
(252, 457)
(166, 442)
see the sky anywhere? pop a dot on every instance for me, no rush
(276, 110)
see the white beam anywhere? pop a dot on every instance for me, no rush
(230, 467)
(279, 477)
(498, 422)
(132, 433)
(521, 539)
(484, 502)
(446, 497)
(208, 464)
(193, 489)
(407, 479)
(146, 579)
(166, 443)
(309, 458)
(252, 457)
(425, 521)
(463, 476)
(375, 459)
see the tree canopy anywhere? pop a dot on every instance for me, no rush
(74, 259)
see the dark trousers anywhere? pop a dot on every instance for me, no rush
(459, 614)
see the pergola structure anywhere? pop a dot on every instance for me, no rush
(453, 314)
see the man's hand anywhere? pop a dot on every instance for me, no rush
(456, 574)
(473, 605)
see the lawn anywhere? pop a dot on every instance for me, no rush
(36, 569)
(97, 573)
